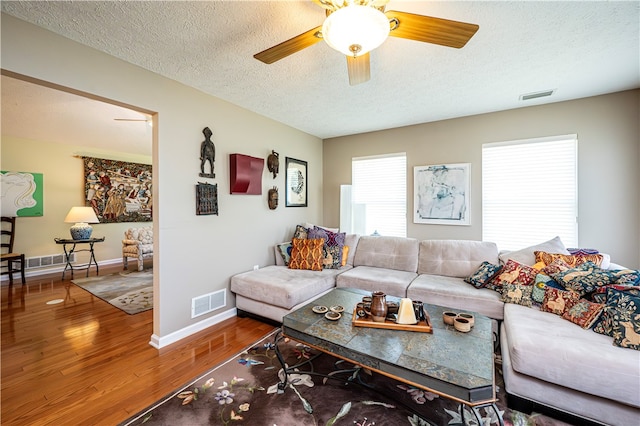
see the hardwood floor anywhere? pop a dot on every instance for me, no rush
(85, 362)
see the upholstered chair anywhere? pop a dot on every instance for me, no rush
(137, 243)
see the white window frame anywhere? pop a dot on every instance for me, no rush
(530, 191)
(381, 205)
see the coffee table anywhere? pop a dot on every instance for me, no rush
(455, 365)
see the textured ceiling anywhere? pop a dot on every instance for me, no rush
(576, 48)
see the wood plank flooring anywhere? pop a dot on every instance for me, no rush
(84, 362)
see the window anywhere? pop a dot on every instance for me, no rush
(529, 191)
(379, 195)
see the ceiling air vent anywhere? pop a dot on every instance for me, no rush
(536, 95)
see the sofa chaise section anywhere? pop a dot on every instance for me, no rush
(554, 362)
(386, 264)
(442, 267)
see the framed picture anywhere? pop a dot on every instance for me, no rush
(22, 194)
(296, 181)
(441, 194)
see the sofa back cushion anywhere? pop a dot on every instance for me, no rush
(455, 258)
(387, 252)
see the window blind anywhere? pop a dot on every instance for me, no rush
(529, 191)
(379, 194)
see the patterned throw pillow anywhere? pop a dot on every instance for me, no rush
(483, 274)
(585, 278)
(570, 259)
(557, 301)
(583, 313)
(300, 232)
(626, 276)
(626, 334)
(345, 255)
(620, 306)
(306, 254)
(332, 246)
(513, 273)
(515, 293)
(285, 252)
(554, 267)
(537, 292)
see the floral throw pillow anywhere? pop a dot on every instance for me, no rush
(513, 273)
(621, 306)
(555, 267)
(483, 274)
(515, 293)
(570, 259)
(585, 278)
(583, 313)
(626, 334)
(557, 301)
(306, 254)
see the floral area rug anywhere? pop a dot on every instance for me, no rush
(131, 292)
(244, 391)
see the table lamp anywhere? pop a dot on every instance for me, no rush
(82, 217)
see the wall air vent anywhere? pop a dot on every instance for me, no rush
(535, 95)
(50, 260)
(208, 302)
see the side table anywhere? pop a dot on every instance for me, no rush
(69, 247)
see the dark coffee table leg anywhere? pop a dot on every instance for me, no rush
(476, 412)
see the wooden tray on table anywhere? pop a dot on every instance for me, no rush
(422, 326)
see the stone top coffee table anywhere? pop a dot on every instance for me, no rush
(455, 365)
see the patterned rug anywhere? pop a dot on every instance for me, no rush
(131, 292)
(244, 391)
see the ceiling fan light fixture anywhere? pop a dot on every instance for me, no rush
(355, 30)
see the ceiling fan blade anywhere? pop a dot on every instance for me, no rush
(290, 46)
(359, 69)
(430, 30)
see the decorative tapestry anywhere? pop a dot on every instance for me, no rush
(118, 191)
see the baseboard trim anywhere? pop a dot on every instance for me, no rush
(160, 342)
(57, 269)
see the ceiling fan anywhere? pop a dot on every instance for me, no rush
(355, 27)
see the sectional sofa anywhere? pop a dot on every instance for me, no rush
(547, 360)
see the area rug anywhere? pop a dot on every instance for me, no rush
(244, 391)
(131, 292)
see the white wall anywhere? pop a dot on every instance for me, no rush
(608, 157)
(193, 254)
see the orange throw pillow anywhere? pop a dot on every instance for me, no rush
(306, 254)
(345, 255)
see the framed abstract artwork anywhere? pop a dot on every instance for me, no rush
(441, 194)
(22, 194)
(296, 183)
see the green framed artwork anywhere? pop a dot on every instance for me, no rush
(22, 193)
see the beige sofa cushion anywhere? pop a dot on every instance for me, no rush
(549, 348)
(390, 281)
(387, 252)
(455, 258)
(454, 293)
(284, 287)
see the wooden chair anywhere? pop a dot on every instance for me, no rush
(15, 261)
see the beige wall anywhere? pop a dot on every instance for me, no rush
(194, 254)
(63, 187)
(608, 158)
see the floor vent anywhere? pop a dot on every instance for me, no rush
(46, 261)
(207, 303)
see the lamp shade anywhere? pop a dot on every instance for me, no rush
(355, 30)
(81, 216)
